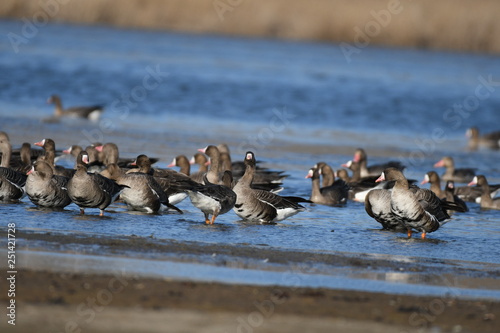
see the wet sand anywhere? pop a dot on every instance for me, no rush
(48, 301)
(51, 300)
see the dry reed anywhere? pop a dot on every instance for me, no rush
(463, 25)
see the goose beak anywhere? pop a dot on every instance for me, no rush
(439, 164)
(381, 178)
(173, 163)
(473, 182)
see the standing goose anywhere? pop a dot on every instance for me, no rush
(334, 194)
(142, 192)
(490, 140)
(260, 205)
(486, 200)
(373, 170)
(463, 175)
(171, 181)
(49, 147)
(378, 206)
(91, 190)
(88, 112)
(11, 182)
(45, 189)
(213, 199)
(417, 209)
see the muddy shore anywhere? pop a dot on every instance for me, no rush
(90, 302)
(51, 300)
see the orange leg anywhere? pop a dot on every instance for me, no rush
(101, 213)
(423, 235)
(409, 233)
(213, 219)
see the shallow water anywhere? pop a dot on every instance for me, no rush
(293, 103)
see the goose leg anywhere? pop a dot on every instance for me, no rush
(207, 220)
(82, 211)
(409, 233)
(213, 219)
(423, 235)
(101, 213)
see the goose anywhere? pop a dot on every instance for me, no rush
(142, 192)
(463, 175)
(202, 161)
(361, 157)
(212, 198)
(88, 112)
(214, 172)
(91, 190)
(486, 200)
(416, 208)
(182, 162)
(12, 183)
(449, 191)
(490, 140)
(260, 205)
(171, 181)
(378, 206)
(335, 194)
(109, 154)
(45, 189)
(49, 147)
(433, 178)
(326, 172)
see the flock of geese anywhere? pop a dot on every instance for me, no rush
(100, 177)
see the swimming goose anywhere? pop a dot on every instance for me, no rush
(89, 112)
(417, 209)
(486, 200)
(11, 182)
(91, 190)
(213, 199)
(463, 175)
(260, 205)
(335, 194)
(45, 189)
(490, 140)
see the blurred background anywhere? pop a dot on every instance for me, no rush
(462, 25)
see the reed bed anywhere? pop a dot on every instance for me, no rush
(461, 25)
